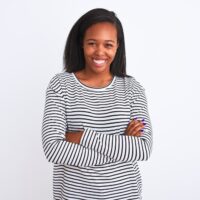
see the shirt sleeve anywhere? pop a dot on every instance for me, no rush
(123, 147)
(57, 150)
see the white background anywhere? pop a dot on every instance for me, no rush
(163, 51)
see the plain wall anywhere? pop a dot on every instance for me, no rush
(163, 49)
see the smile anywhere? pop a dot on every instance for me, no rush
(99, 62)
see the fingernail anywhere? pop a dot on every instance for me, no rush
(142, 120)
(142, 130)
(144, 123)
(135, 118)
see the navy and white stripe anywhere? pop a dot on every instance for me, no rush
(104, 164)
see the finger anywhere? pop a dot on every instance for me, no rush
(136, 128)
(139, 133)
(138, 124)
(135, 131)
(139, 128)
(132, 132)
(133, 124)
(130, 125)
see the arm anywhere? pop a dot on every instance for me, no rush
(56, 148)
(124, 147)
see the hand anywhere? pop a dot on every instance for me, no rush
(74, 137)
(135, 127)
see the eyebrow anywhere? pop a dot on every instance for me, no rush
(105, 40)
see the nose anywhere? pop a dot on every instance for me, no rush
(99, 50)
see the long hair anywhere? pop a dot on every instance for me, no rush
(73, 58)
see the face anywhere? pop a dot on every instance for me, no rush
(100, 46)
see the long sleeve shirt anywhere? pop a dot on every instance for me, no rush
(104, 164)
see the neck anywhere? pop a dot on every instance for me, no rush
(103, 76)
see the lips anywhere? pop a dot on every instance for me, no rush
(99, 61)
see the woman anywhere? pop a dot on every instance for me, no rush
(96, 124)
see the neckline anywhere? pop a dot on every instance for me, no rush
(93, 88)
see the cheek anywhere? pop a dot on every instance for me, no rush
(113, 54)
(88, 51)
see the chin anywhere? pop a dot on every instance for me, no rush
(101, 68)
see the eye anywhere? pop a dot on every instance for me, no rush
(91, 43)
(108, 45)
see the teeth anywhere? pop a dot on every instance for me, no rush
(99, 61)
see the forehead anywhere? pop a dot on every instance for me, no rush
(103, 30)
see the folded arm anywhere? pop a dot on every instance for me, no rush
(124, 147)
(56, 148)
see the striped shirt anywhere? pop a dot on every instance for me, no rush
(104, 164)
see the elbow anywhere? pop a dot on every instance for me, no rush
(48, 156)
(145, 151)
(147, 154)
(147, 157)
(49, 152)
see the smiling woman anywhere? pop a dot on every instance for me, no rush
(96, 124)
(99, 47)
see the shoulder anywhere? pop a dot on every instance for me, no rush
(133, 85)
(58, 81)
(136, 91)
(59, 78)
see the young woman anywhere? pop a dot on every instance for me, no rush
(96, 124)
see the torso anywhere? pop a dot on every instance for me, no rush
(106, 111)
